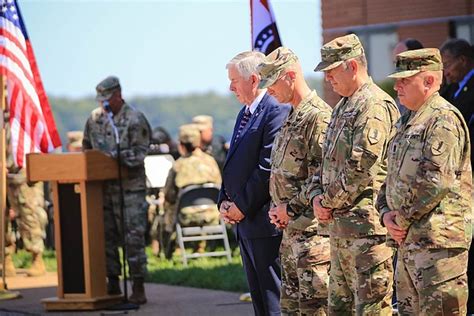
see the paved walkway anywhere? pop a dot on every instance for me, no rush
(162, 300)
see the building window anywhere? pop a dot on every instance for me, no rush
(378, 46)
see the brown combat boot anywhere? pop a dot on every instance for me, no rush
(155, 247)
(138, 292)
(37, 267)
(10, 270)
(113, 285)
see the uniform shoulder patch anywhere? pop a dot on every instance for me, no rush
(438, 147)
(374, 135)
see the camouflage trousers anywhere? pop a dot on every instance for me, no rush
(361, 276)
(432, 281)
(305, 273)
(190, 216)
(135, 210)
(28, 203)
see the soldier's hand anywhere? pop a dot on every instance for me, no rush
(395, 231)
(278, 216)
(324, 215)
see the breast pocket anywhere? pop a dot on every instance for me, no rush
(410, 155)
(341, 132)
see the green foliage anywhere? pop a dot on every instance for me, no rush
(209, 273)
(167, 111)
(22, 259)
(387, 86)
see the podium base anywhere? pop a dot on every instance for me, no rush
(58, 304)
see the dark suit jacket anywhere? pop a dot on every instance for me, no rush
(465, 103)
(247, 168)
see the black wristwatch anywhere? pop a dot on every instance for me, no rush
(289, 211)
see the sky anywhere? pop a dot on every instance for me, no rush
(160, 47)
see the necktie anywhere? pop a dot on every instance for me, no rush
(245, 119)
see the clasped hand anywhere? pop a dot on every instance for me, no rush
(230, 213)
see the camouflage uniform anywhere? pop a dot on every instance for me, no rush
(353, 170)
(429, 183)
(134, 132)
(296, 157)
(192, 168)
(217, 148)
(27, 200)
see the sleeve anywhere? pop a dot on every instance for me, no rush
(316, 132)
(139, 133)
(255, 193)
(371, 132)
(381, 203)
(86, 140)
(171, 190)
(440, 162)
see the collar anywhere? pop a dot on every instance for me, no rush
(463, 82)
(253, 106)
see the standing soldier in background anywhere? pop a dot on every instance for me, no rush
(74, 141)
(134, 133)
(212, 144)
(27, 202)
(193, 167)
(425, 202)
(353, 170)
(296, 157)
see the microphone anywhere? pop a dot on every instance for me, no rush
(110, 115)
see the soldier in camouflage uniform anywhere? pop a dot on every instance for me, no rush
(425, 202)
(296, 157)
(353, 170)
(193, 167)
(134, 133)
(212, 144)
(27, 202)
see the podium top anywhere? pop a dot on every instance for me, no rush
(91, 165)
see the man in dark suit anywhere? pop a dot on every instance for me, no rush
(458, 62)
(244, 199)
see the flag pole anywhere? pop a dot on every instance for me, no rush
(4, 293)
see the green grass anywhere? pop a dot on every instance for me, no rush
(209, 273)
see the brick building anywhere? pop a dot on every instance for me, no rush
(380, 24)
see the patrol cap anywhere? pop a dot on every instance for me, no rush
(106, 88)
(74, 138)
(411, 62)
(274, 65)
(339, 50)
(190, 134)
(203, 121)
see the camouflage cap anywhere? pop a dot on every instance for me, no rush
(203, 121)
(190, 134)
(339, 50)
(411, 62)
(74, 138)
(274, 65)
(106, 88)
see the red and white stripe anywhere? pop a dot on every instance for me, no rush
(32, 124)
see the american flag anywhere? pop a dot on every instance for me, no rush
(32, 123)
(265, 37)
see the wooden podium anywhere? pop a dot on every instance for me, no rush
(76, 180)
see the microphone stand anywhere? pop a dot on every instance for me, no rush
(126, 304)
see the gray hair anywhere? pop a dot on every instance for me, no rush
(246, 63)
